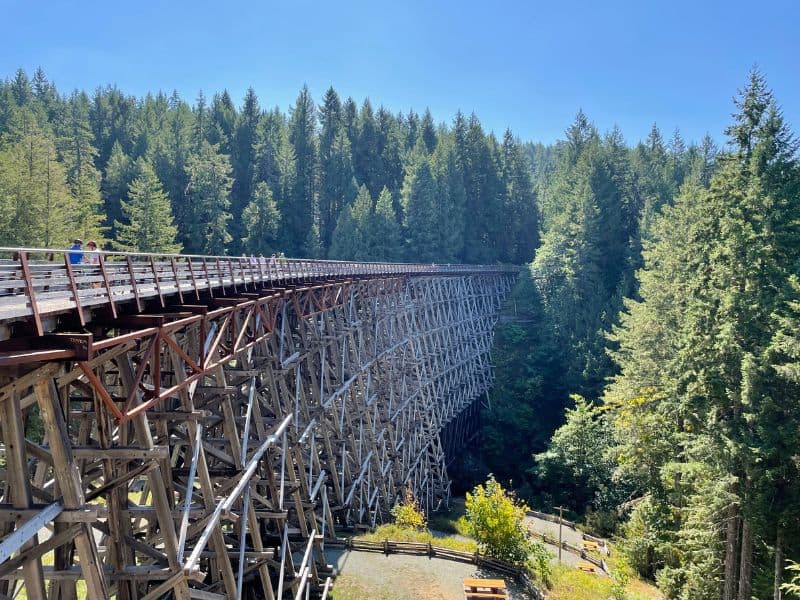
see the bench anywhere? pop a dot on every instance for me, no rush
(485, 588)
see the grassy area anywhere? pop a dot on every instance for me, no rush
(398, 534)
(451, 521)
(571, 584)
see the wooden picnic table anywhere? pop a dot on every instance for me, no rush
(485, 588)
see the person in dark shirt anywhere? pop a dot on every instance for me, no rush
(76, 256)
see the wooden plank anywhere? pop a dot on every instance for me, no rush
(69, 483)
(28, 530)
(87, 515)
(93, 452)
(35, 553)
(19, 490)
(487, 583)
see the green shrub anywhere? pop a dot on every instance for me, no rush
(495, 520)
(539, 563)
(407, 513)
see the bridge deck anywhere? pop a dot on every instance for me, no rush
(36, 283)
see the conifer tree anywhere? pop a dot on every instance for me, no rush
(391, 151)
(21, 89)
(348, 238)
(201, 120)
(427, 131)
(451, 199)
(367, 162)
(261, 221)
(520, 211)
(298, 214)
(223, 122)
(337, 187)
(208, 191)
(412, 129)
(383, 231)
(275, 161)
(118, 175)
(78, 154)
(45, 94)
(149, 226)
(708, 350)
(175, 146)
(421, 210)
(243, 159)
(484, 191)
(36, 205)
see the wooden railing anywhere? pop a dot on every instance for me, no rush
(36, 282)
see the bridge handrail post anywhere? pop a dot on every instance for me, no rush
(102, 262)
(74, 287)
(194, 279)
(134, 287)
(177, 278)
(22, 256)
(260, 260)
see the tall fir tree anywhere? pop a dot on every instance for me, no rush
(78, 154)
(298, 212)
(383, 231)
(149, 226)
(261, 221)
(37, 207)
(420, 207)
(206, 228)
(709, 352)
(451, 199)
(337, 187)
(243, 161)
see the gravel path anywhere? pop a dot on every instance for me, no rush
(403, 577)
(569, 535)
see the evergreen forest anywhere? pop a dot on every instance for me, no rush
(648, 361)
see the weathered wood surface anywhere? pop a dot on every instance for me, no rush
(40, 283)
(215, 446)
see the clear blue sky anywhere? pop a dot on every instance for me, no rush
(525, 65)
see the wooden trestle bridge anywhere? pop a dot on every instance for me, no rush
(197, 427)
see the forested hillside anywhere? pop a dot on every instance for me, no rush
(648, 365)
(656, 332)
(331, 180)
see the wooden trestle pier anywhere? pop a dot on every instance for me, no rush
(197, 427)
